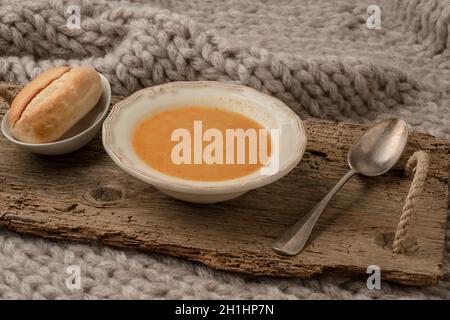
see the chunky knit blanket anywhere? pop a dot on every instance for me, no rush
(317, 56)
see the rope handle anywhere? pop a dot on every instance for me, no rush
(418, 165)
(6, 94)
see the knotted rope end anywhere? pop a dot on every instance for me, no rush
(401, 241)
(6, 94)
(417, 164)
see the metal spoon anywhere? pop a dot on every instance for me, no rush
(373, 154)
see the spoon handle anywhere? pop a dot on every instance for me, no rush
(294, 239)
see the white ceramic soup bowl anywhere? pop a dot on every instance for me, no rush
(77, 137)
(119, 127)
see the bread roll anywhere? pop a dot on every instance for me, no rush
(53, 102)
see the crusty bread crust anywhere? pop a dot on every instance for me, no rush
(57, 107)
(24, 97)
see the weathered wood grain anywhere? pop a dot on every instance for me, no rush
(84, 196)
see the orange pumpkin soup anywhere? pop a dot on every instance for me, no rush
(202, 144)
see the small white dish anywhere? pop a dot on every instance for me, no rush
(77, 137)
(119, 126)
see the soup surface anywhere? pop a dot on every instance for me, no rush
(153, 143)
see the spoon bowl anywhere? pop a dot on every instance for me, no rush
(379, 148)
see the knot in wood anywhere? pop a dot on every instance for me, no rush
(104, 195)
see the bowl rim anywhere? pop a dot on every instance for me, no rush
(103, 115)
(202, 187)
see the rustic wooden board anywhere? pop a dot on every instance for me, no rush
(85, 196)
